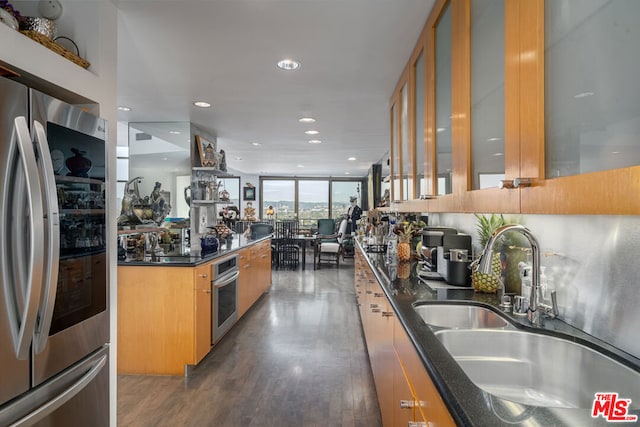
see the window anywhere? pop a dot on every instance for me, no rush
(308, 199)
(281, 194)
(313, 201)
(341, 192)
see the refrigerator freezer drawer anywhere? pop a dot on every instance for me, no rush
(76, 397)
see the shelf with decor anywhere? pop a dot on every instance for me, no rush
(212, 171)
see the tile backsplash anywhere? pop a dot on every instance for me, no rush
(593, 263)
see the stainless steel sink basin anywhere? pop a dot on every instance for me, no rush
(538, 370)
(460, 316)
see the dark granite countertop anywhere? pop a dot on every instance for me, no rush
(468, 404)
(194, 258)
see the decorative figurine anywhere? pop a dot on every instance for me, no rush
(137, 210)
(354, 213)
(222, 165)
(269, 212)
(210, 156)
(249, 213)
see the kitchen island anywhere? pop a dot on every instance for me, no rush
(417, 379)
(167, 305)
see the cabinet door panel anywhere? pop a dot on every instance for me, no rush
(430, 406)
(202, 302)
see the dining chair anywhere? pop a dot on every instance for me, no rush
(287, 251)
(328, 247)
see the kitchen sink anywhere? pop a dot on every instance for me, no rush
(460, 316)
(538, 370)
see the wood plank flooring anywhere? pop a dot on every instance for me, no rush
(297, 358)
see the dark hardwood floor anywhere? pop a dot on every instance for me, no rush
(297, 358)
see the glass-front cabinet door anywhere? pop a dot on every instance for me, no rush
(406, 149)
(591, 105)
(487, 94)
(443, 108)
(420, 181)
(396, 171)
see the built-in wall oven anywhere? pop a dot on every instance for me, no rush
(224, 302)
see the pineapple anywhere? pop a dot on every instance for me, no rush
(487, 283)
(510, 248)
(405, 233)
(404, 269)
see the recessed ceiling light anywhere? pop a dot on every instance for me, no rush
(615, 152)
(498, 154)
(311, 132)
(174, 132)
(494, 139)
(315, 141)
(307, 120)
(300, 166)
(347, 173)
(165, 158)
(256, 144)
(583, 95)
(351, 159)
(202, 104)
(288, 64)
(441, 129)
(238, 158)
(123, 108)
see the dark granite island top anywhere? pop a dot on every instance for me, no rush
(194, 258)
(468, 404)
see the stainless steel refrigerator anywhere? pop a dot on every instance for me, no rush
(54, 316)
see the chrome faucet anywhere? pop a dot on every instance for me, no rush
(484, 266)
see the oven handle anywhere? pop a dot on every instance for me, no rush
(225, 282)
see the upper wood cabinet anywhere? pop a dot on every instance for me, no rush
(536, 93)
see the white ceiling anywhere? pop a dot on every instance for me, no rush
(172, 53)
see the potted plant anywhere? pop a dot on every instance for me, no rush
(406, 231)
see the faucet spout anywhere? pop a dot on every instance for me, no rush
(484, 265)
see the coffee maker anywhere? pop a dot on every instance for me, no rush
(432, 238)
(454, 259)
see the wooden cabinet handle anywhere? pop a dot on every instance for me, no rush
(206, 291)
(204, 275)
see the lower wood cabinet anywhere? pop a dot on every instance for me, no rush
(429, 406)
(255, 274)
(245, 288)
(162, 324)
(406, 394)
(165, 312)
(203, 311)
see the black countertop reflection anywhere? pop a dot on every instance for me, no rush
(469, 405)
(195, 257)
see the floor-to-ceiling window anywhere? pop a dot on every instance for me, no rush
(313, 201)
(281, 195)
(308, 199)
(341, 193)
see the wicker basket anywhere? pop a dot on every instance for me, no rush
(57, 48)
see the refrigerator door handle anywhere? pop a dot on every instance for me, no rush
(23, 296)
(62, 398)
(52, 238)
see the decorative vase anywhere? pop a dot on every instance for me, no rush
(78, 164)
